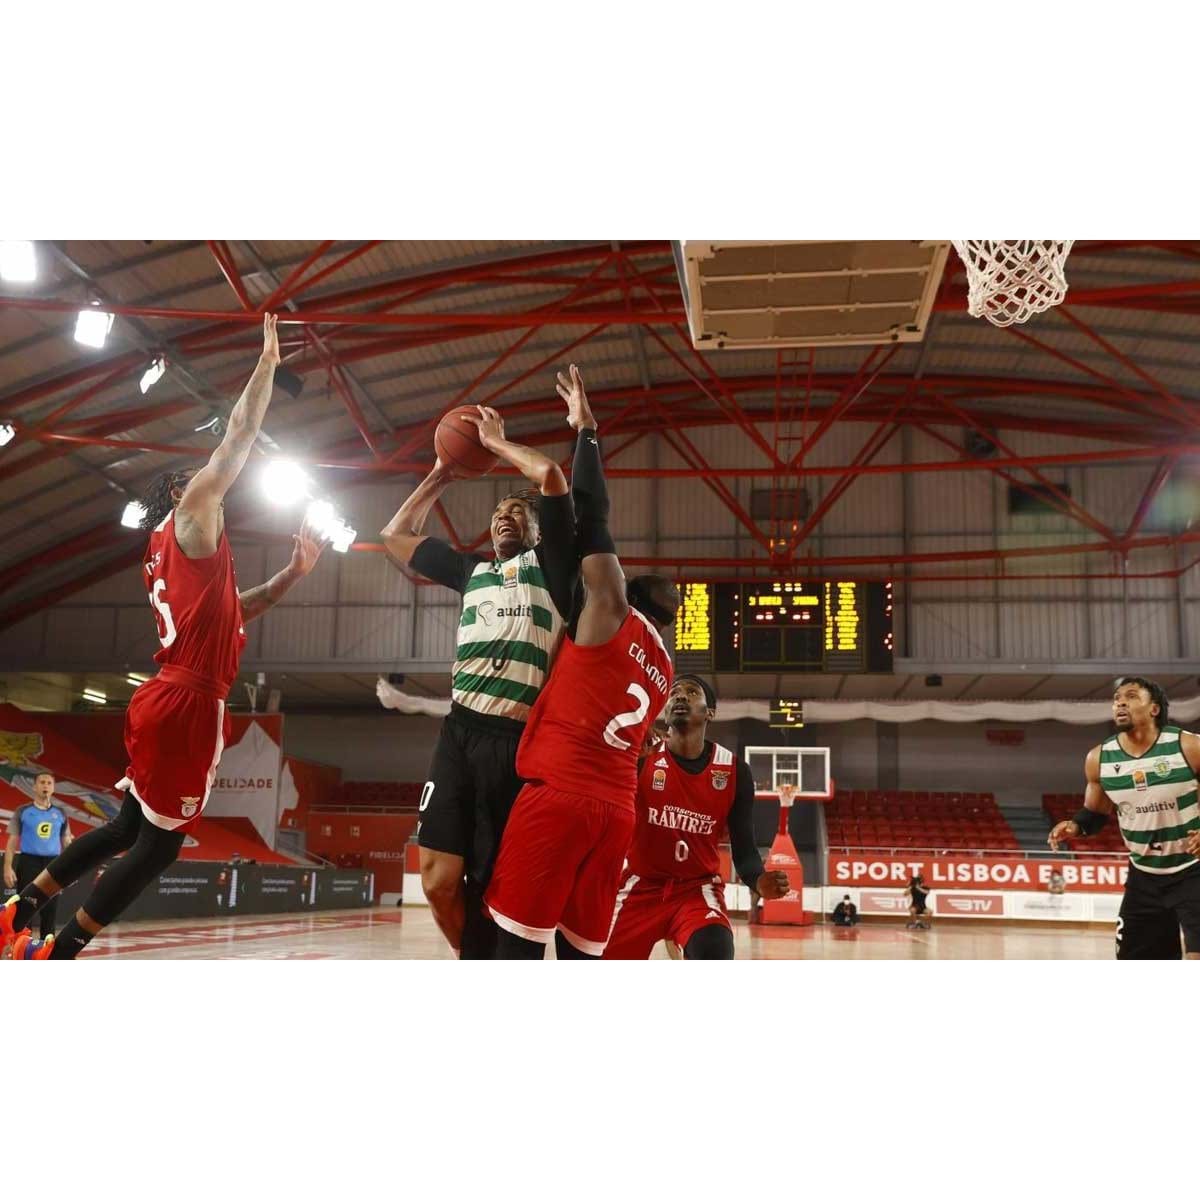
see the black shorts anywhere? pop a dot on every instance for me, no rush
(472, 785)
(1155, 909)
(918, 902)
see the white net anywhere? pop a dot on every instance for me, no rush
(787, 795)
(1010, 281)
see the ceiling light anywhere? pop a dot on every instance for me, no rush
(136, 680)
(321, 515)
(94, 695)
(92, 326)
(283, 482)
(18, 263)
(154, 372)
(133, 515)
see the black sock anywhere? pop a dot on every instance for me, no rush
(28, 902)
(71, 940)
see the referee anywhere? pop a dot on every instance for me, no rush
(37, 833)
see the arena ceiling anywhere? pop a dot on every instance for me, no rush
(387, 335)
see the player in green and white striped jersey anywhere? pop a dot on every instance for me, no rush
(1147, 773)
(515, 603)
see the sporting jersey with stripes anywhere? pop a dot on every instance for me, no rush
(506, 638)
(1154, 795)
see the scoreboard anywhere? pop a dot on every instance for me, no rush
(785, 627)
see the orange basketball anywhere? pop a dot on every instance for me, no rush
(457, 444)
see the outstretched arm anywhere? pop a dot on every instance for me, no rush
(306, 549)
(402, 534)
(198, 516)
(544, 473)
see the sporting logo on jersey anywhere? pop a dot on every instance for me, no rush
(659, 782)
(720, 780)
(1139, 780)
(1162, 768)
(189, 805)
(662, 762)
(510, 575)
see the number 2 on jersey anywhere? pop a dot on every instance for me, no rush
(163, 609)
(622, 720)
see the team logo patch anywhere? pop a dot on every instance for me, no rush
(659, 782)
(1162, 768)
(189, 805)
(510, 575)
(662, 762)
(1125, 809)
(1139, 780)
(720, 780)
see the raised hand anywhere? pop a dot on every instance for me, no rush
(489, 424)
(270, 339)
(579, 413)
(306, 549)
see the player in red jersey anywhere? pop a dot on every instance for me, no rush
(176, 724)
(565, 843)
(689, 791)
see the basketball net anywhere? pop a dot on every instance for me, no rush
(1008, 282)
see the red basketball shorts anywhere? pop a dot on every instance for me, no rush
(647, 913)
(560, 862)
(174, 737)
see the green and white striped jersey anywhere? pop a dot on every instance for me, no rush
(1155, 797)
(507, 635)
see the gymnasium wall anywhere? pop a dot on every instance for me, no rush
(933, 755)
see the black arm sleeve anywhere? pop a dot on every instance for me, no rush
(441, 563)
(590, 492)
(746, 858)
(557, 551)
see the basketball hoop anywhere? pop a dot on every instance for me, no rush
(787, 795)
(1008, 282)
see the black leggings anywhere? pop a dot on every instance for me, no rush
(710, 941)
(149, 852)
(511, 945)
(29, 867)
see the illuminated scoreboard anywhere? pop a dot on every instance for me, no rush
(787, 627)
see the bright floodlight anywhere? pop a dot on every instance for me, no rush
(18, 264)
(284, 482)
(94, 695)
(321, 515)
(132, 517)
(92, 326)
(153, 374)
(7, 432)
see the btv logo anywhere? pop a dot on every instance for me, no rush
(971, 906)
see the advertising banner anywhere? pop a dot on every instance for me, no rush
(972, 871)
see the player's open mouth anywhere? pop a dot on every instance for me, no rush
(504, 528)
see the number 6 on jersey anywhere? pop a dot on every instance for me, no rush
(623, 720)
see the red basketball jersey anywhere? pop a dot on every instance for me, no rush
(681, 817)
(589, 722)
(196, 607)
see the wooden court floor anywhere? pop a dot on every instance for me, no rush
(411, 934)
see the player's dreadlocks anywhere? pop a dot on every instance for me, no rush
(157, 500)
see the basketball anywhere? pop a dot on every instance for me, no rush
(457, 444)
